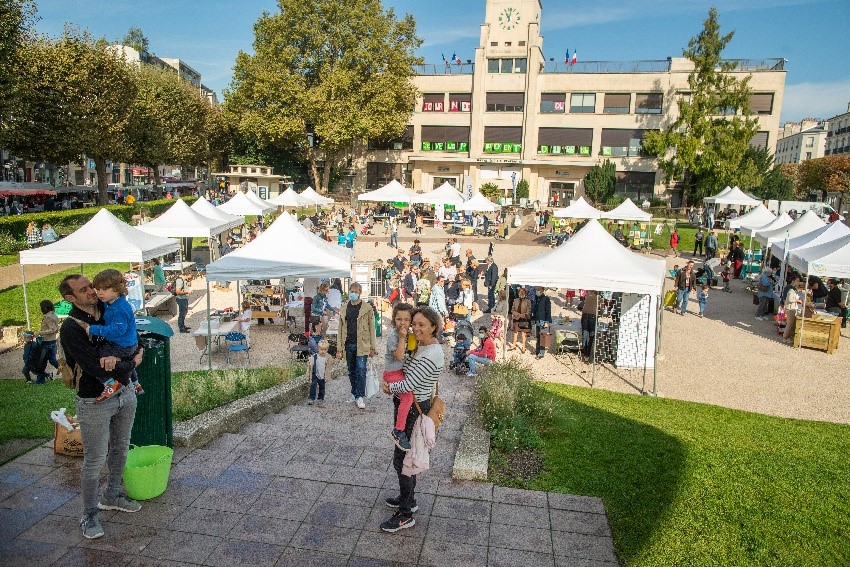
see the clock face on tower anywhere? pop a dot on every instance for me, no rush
(509, 19)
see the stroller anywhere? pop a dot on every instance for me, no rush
(366, 229)
(463, 341)
(35, 359)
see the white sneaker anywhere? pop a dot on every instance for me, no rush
(350, 399)
(360, 403)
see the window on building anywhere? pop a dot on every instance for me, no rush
(445, 138)
(635, 184)
(583, 103)
(617, 103)
(648, 103)
(403, 142)
(520, 65)
(507, 65)
(761, 103)
(380, 173)
(503, 139)
(505, 102)
(622, 142)
(460, 102)
(433, 102)
(565, 193)
(521, 43)
(494, 44)
(493, 65)
(564, 141)
(808, 155)
(553, 103)
(759, 140)
(507, 44)
(810, 141)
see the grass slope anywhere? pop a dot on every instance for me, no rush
(25, 410)
(692, 484)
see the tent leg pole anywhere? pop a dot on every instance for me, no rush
(803, 312)
(507, 314)
(26, 302)
(209, 330)
(659, 313)
(595, 341)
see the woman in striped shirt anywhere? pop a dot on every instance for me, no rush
(421, 371)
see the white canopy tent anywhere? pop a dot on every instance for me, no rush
(628, 211)
(710, 200)
(445, 194)
(578, 209)
(782, 220)
(806, 223)
(209, 210)
(759, 216)
(732, 196)
(310, 194)
(479, 203)
(254, 198)
(392, 192)
(181, 221)
(240, 204)
(104, 238)
(829, 259)
(822, 235)
(291, 199)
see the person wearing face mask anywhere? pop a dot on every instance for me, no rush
(357, 332)
(485, 353)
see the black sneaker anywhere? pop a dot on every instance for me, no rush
(396, 502)
(400, 439)
(398, 522)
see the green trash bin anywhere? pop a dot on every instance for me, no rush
(153, 412)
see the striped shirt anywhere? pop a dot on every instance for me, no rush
(421, 372)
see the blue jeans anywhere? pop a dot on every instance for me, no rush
(182, 309)
(682, 299)
(356, 371)
(50, 352)
(473, 360)
(702, 306)
(394, 239)
(491, 298)
(105, 428)
(317, 383)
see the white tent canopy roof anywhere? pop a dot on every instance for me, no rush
(592, 259)
(578, 209)
(254, 198)
(208, 210)
(826, 233)
(105, 238)
(445, 194)
(392, 192)
(285, 249)
(806, 223)
(479, 203)
(290, 198)
(240, 204)
(782, 220)
(759, 216)
(181, 221)
(710, 200)
(310, 194)
(735, 197)
(627, 210)
(830, 259)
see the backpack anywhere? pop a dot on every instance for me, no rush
(70, 375)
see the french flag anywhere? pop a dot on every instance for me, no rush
(446, 61)
(574, 60)
(455, 58)
(567, 56)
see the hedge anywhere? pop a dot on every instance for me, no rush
(13, 228)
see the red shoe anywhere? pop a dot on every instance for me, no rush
(109, 390)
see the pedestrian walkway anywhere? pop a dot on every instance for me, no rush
(303, 487)
(11, 275)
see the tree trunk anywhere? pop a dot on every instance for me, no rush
(326, 175)
(686, 187)
(100, 168)
(314, 170)
(156, 184)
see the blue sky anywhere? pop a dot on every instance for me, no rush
(810, 34)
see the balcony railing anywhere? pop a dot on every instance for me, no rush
(445, 69)
(653, 66)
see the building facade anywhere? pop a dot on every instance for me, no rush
(799, 141)
(258, 178)
(838, 134)
(513, 114)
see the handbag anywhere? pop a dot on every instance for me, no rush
(460, 309)
(437, 411)
(372, 384)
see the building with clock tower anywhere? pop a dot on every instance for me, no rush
(517, 112)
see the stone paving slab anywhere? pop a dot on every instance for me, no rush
(303, 486)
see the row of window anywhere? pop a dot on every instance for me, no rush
(507, 65)
(791, 143)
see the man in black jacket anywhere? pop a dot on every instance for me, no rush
(491, 278)
(105, 427)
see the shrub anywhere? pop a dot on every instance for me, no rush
(511, 406)
(490, 190)
(522, 189)
(12, 244)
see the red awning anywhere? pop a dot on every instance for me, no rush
(27, 193)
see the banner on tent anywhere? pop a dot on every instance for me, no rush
(135, 290)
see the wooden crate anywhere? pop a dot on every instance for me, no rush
(820, 332)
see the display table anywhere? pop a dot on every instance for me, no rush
(161, 302)
(178, 267)
(820, 332)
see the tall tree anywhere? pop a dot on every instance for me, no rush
(600, 181)
(336, 71)
(830, 173)
(75, 103)
(16, 18)
(704, 146)
(136, 39)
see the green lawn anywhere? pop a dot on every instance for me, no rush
(693, 484)
(25, 410)
(12, 298)
(8, 259)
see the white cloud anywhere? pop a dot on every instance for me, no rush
(815, 100)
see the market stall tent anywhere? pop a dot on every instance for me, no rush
(578, 209)
(758, 216)
(822, 235)
(806, 223)
(392, 192)
(479, 203)
(830, 259)
(290, 198)
(782, 220)
(734, 197)
(445, 194)
(209, 210)
(310, 194)
(711, 200)
(627, 211)
(181, 221)
(254, 198)
(241, 205)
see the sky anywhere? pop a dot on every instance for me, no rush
(810, 34)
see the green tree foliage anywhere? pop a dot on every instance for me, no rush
(340, 70)
(599, 183)
(15, 20)
(759, 174)
(136, 39)
(830, 173)
(491, 191)
(75, 102)
(522, 189)
(704, 146)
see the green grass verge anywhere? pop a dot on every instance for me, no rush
(12, 298)
(25, 410)
(195, 392)
(8, 259)
(693, 484)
